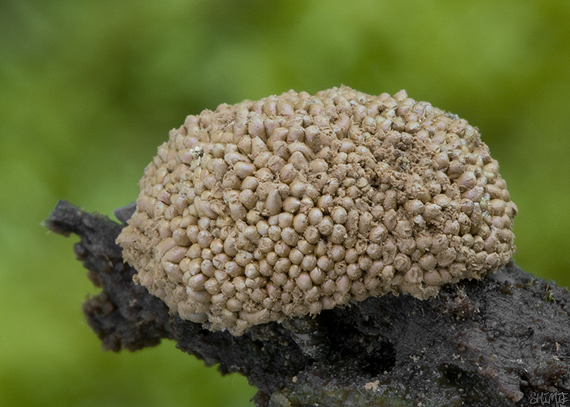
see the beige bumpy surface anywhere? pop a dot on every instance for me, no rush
(297, 203)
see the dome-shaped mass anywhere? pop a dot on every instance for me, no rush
(297, 203)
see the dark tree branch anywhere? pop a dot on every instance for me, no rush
(479, 343)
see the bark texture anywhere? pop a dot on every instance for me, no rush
(502, 341)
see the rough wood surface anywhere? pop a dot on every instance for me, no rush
(503, 341)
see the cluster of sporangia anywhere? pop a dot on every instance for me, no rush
(297, 203)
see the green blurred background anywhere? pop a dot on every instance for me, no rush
(89, 89)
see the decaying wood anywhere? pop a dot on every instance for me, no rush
(502, 341)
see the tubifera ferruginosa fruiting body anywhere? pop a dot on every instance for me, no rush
(297, 203)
